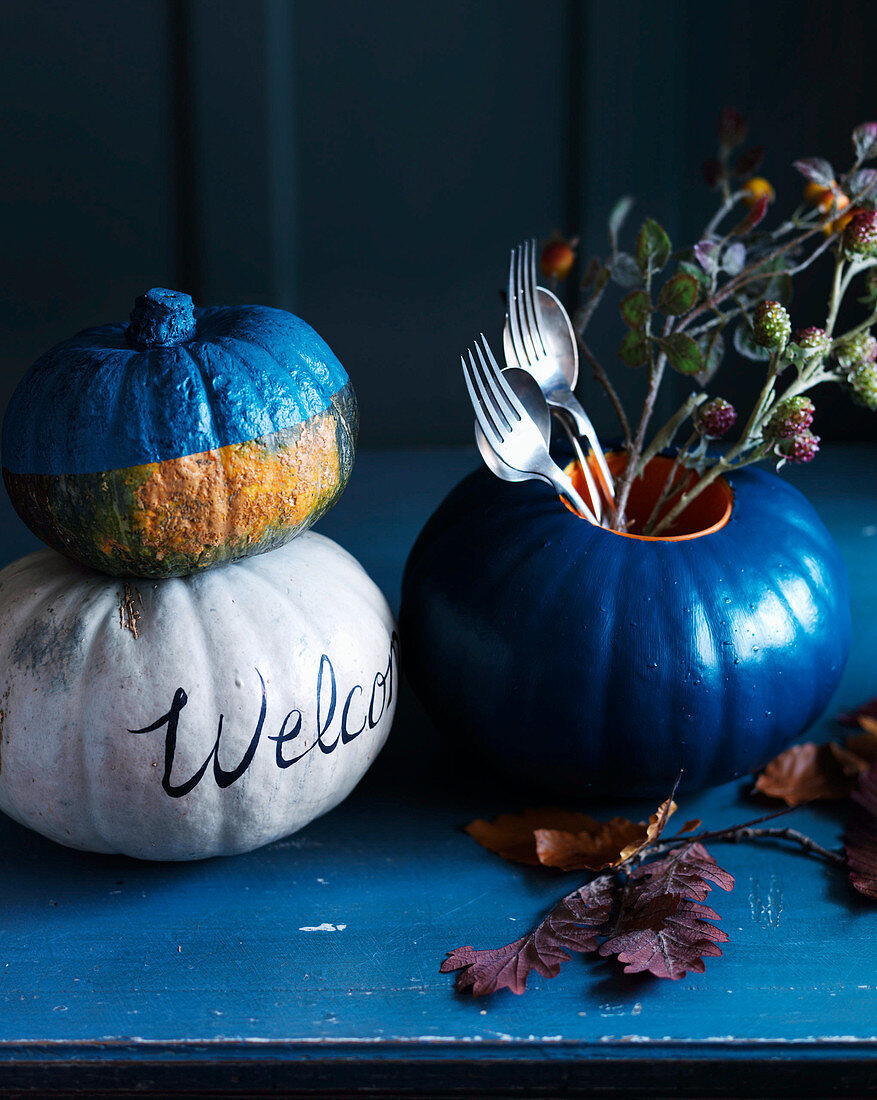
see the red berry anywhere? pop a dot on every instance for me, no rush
(860, 236)
(790, 418)
(812, 339)
(715, 418)
(557, 259)
(800, 448)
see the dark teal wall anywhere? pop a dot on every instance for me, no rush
(368, 164)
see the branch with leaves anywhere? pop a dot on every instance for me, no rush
(738, 278)
(646, 905)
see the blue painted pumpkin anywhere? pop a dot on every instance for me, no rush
(188, 438)
(587, 661)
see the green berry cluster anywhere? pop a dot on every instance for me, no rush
(771, 325)
(862, 385)
(790, 418)
(861, 348)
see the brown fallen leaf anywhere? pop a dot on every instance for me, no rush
(568, 840)
(806, 772)
(572, 925)
(662, 925)
(667, 937)
(860, 839)
(512, 836)
(589, 849)
(655, 827)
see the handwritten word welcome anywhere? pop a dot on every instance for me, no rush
(327, 736)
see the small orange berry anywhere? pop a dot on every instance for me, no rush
(817, 195)
(840, 224)
(757, 188)
(824, 197)
(557, 259)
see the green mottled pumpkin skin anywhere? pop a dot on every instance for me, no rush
(184, 515)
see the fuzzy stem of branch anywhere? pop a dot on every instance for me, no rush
(748, 439)
(814, 255)
(762, 404)
(635, 450)
(722, 466)
(720, 319)
(836, 295)
(667, 491)
(586, 311)
(747, 832)
(728, 204)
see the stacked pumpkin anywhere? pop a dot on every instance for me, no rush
(188, 671)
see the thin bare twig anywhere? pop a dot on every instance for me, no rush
(748, 830)
(793, 835)
(635, 450)
(603, 378)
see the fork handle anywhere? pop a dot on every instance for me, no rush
(563, 484)
(569, 403)
(593, 491)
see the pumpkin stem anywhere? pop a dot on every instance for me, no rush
(161, 318)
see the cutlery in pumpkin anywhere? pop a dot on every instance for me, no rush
(539, 337)
(527, 389)
(509, 429)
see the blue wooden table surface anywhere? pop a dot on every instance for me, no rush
(312, 966)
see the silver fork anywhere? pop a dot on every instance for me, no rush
(531, 349)
(509, 429)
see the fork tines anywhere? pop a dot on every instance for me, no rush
(497, 409)
(525, 314)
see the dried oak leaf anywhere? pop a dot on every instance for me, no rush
(512, 836)
(860, 839)
(572, 925)
(601, 845)
(667, 937)
(805, 772)
(684, 872)
(663, 927)
(567, 840)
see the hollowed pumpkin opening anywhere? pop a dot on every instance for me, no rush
(708, 512)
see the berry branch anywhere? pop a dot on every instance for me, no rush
(737, 278)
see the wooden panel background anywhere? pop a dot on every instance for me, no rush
(369, 165)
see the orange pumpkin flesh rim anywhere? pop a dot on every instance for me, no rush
(707, 513)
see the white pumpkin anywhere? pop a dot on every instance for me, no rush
(196, 716)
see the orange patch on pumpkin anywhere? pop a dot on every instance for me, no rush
(238, 494)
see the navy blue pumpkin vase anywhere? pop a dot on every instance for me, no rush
(586, 661)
